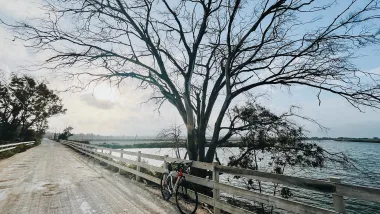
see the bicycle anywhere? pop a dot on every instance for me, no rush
(186, 195)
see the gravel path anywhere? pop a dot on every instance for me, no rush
(51, 178)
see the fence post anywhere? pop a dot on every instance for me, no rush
(138, 167)
(338, 200)
(165, 162)
(84, 147)
(85, 150)
(106, 152)
(121, 156)
(215, 192)
(93, 152)
(110, 159)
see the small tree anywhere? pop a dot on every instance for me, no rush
(174, 136)
(66, 133)
(275, 142)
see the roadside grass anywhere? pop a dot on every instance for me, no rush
(18, 149)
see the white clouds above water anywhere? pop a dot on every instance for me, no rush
(90, 100)
(124, 114)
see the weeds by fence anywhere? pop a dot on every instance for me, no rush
(9, 150)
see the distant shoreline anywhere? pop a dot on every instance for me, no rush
(162, 144)
(359, 140)
(159, 143)
(346, 139)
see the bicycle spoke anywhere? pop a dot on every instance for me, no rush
(186, 198)
(166, 188)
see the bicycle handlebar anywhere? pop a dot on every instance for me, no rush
(183, 162)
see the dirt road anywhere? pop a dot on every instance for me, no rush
(51, 178)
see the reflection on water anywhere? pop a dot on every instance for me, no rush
(366, 157)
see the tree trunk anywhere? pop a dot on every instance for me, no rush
(190, 127)
(191, 148)
(211, 152)
(201, 141)
(215, 137)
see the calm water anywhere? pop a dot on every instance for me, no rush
(366, 157)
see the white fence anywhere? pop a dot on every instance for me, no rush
(332, 187)
(11, 146)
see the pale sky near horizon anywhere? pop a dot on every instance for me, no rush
(110, 111)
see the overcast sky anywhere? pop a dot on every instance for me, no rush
(109, 111)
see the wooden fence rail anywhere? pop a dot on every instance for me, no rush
(11, 146)
(333, 186)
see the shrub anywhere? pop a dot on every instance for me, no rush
(7, 154)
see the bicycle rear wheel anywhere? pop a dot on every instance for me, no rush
(166, 186)
(186, 198)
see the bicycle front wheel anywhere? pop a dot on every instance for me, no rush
(186, 198)
(166, 186)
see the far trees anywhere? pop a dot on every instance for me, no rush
(25, 106)
(66, 133)
(201, 55)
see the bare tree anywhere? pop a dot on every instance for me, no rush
(195, 52)
(174, 136)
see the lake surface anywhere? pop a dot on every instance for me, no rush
(366, 157)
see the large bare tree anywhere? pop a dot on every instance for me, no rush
(195, 52)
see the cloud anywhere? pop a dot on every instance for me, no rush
(375, 70)
(89, 99)
(357, 129)
(11, 52)
(21, 8)
(125, 116)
